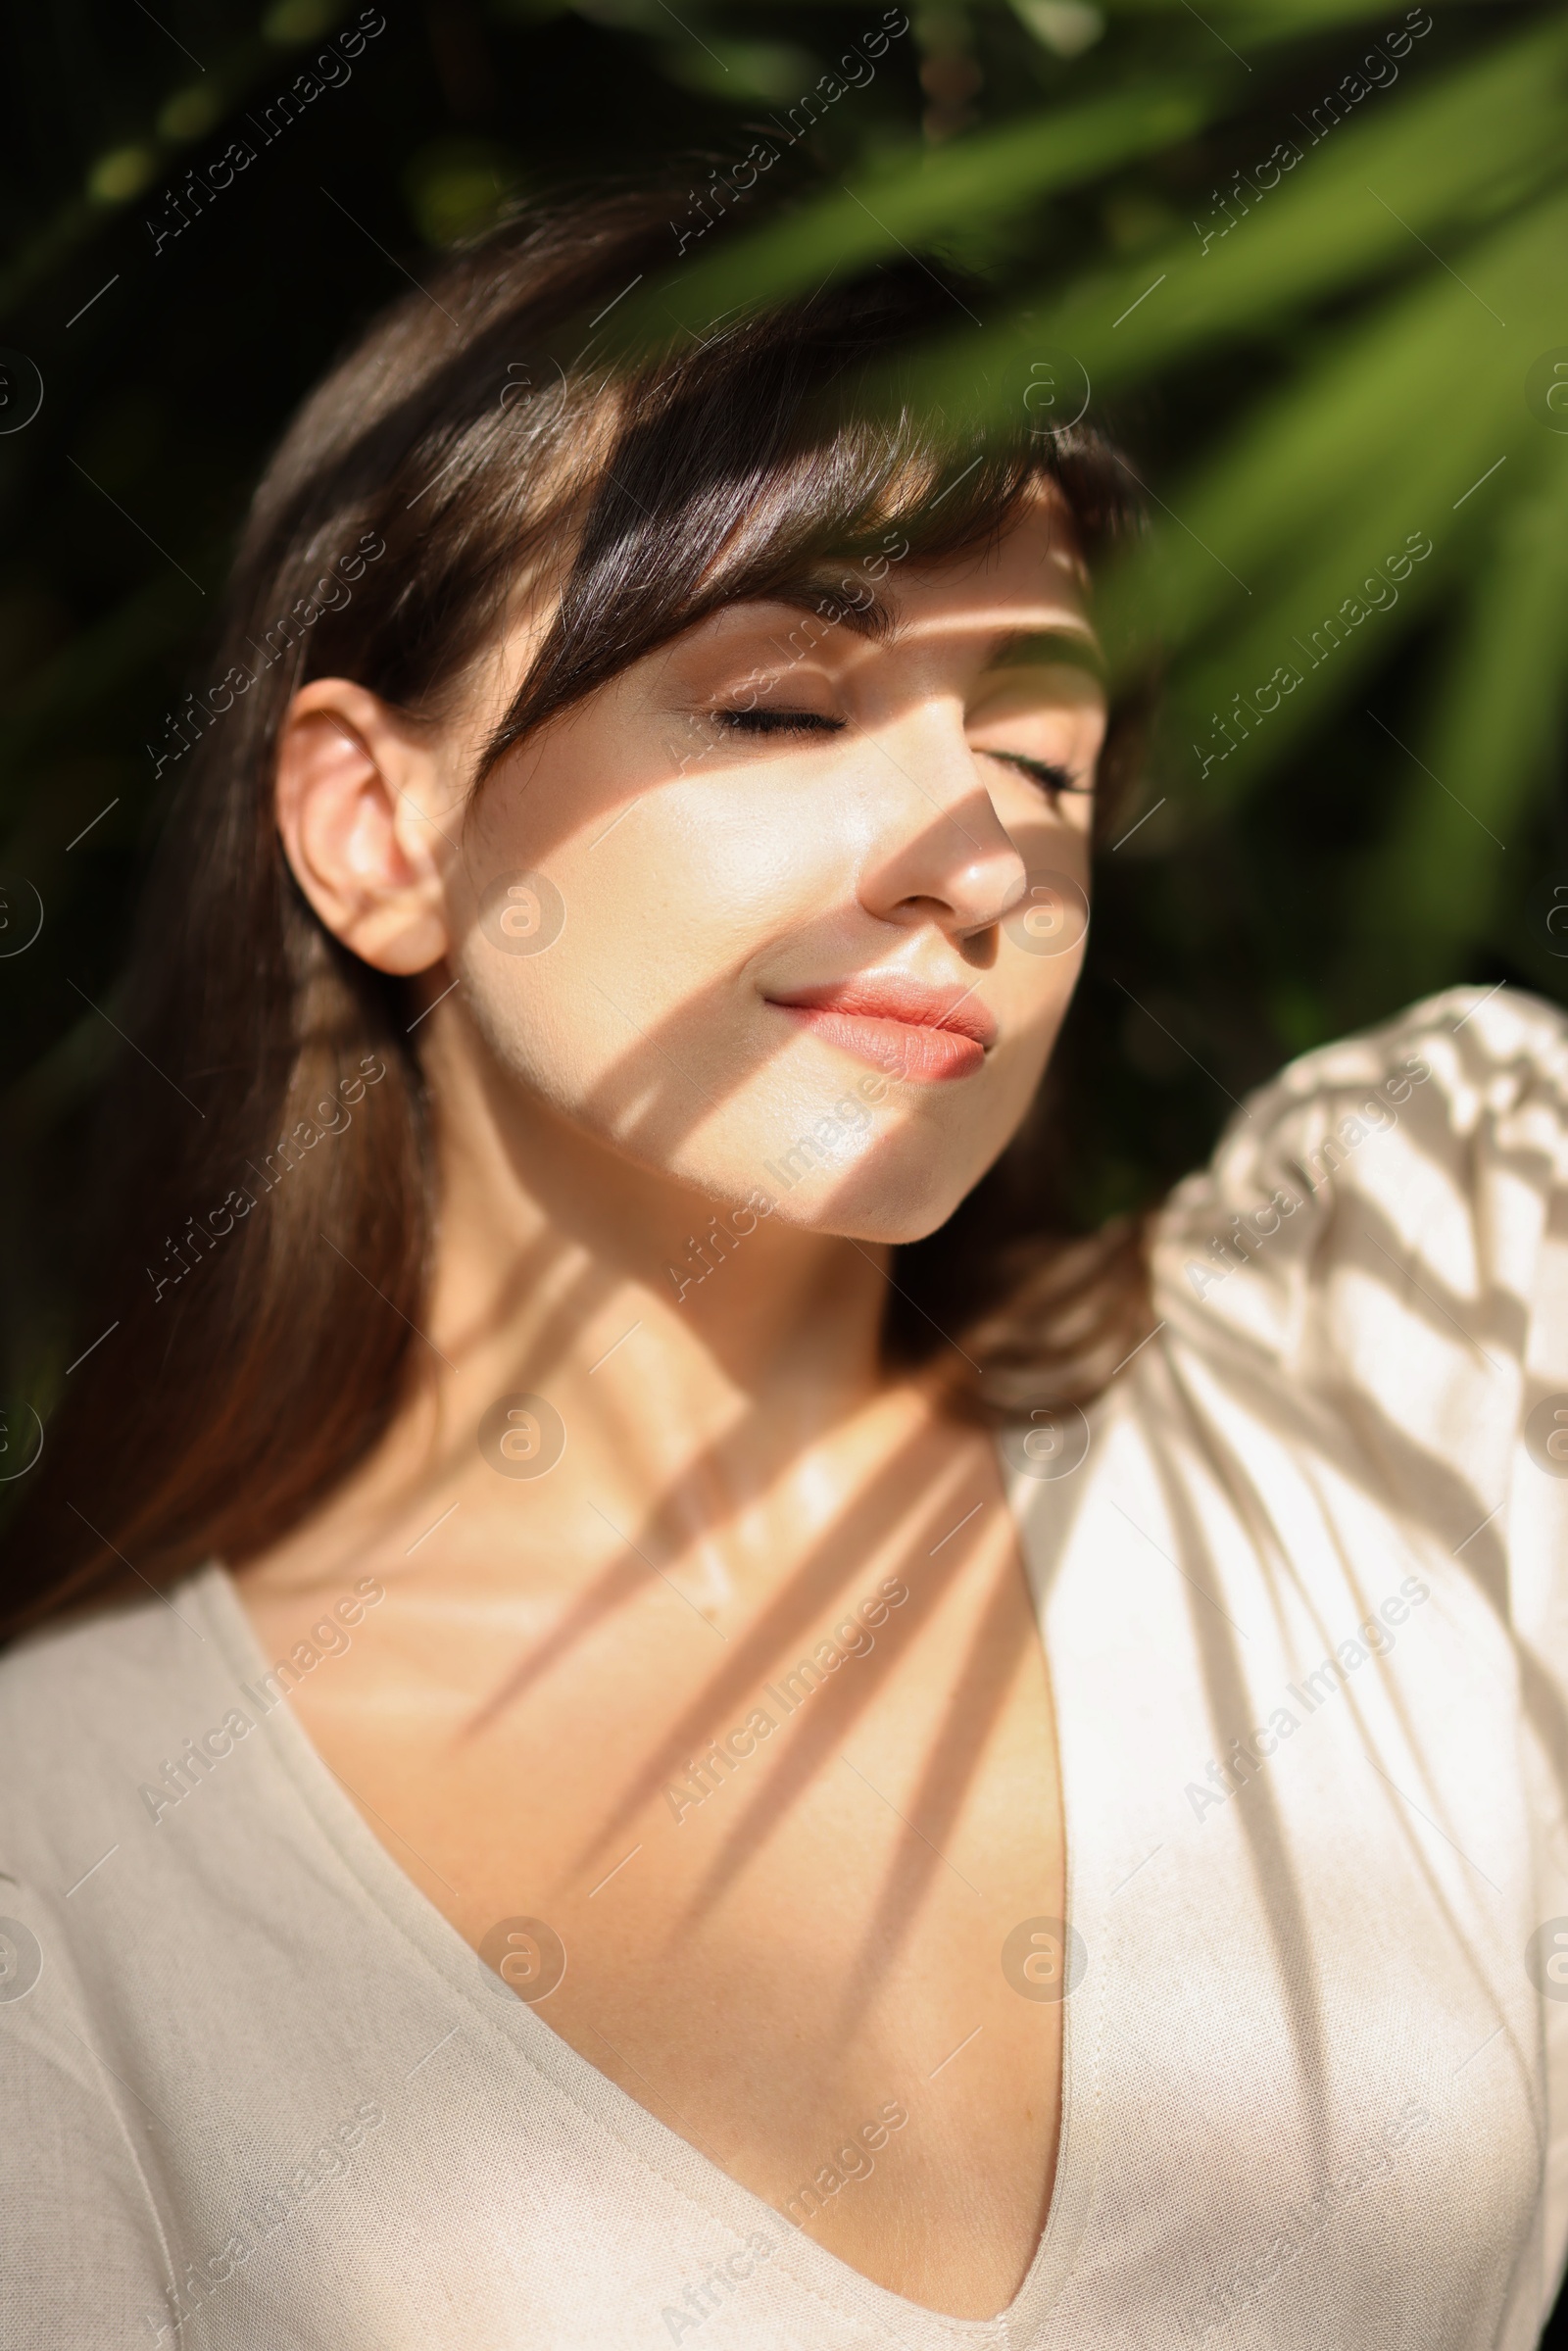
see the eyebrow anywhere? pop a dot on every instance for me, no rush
(877, 618)
(1041, 644)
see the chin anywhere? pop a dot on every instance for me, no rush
(874, 1204)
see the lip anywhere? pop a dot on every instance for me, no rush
(900, 1025)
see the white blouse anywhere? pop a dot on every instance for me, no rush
(1305, 1602)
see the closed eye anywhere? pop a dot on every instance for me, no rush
(776, 722)
(1045, 772)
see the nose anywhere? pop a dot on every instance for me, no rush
(941, 852)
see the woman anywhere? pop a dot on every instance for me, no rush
(647, 1708)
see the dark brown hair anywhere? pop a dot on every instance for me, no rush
(475, 437)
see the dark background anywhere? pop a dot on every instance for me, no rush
(1368, 354)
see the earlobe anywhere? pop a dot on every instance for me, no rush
(355, 781)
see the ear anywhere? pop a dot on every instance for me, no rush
(360, 789)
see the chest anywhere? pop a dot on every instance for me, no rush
(796, 1890)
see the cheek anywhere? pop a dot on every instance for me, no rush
(1031, 994)
(623, 993)
(1041, 945)
(1042, 940)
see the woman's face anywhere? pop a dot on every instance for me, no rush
(790, 909)
(796, 907)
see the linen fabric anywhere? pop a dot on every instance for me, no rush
(1304, 1599)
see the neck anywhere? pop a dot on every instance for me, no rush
(661, 1327)
(726, 1422)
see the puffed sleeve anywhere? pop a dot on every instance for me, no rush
(1380, 1248)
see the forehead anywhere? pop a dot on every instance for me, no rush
(1015, 596)
(1036, 571)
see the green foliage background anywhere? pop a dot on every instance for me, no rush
(1364, 354)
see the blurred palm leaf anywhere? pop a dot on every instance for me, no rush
(1494, 728)
(1345, 367)
(1409, 259)
(922, 199)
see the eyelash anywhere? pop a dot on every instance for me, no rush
(1043, 772)
(776, 722)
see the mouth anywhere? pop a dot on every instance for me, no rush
(927, 1035)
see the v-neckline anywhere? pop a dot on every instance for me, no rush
(823, 2274)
